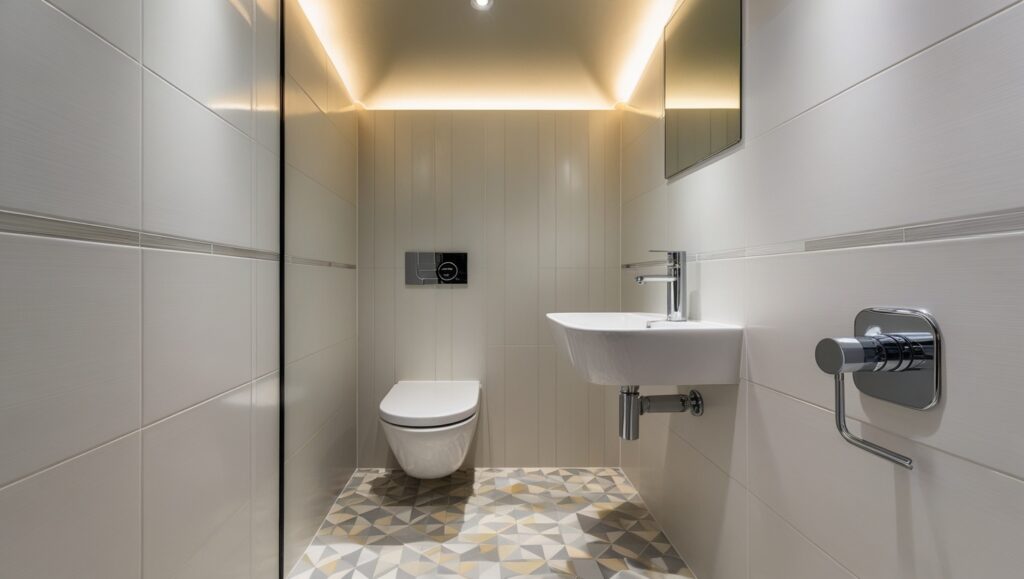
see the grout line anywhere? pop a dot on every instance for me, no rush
(914, 441)
(892, 66)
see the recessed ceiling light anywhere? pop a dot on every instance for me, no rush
(482, 4)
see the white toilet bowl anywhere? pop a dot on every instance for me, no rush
(430, 424)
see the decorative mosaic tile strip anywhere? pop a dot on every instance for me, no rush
(855, 240)
(319, 262)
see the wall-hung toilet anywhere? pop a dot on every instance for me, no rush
(429, 424)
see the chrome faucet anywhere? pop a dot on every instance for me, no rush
(675, 279)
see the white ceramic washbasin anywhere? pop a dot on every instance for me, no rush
(618, 349)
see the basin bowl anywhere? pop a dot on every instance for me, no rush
(618, 349)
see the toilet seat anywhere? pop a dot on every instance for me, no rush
(430, 403)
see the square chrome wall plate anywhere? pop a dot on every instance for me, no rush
(917, 388)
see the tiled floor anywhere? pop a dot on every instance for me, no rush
(494, 522)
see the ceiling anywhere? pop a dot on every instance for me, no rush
(520, 54)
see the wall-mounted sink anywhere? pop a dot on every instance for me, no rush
(619, 349)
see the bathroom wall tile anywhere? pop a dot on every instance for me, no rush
(572, 409)
(547, 399)
(382, 145)
(196, 328)
(491, 431)
(646, 104)
(415, 348)
(266, 227)
(366, 396)
(469, 332)
(721, 432)
(547, 169)
(305, 59)
(874, 518)
(70, 349)
(316, 146)
(196, 488)
(793, 47)
(264, 468)
(205, 49)
(364, 202)
(267, 319)
(597, 136)
(778, 551)
(979, 332)
(329, 223)
(443, 180)
(266, 78)
(318, 386)
(705, 513)
(403, 187)
(643, 161)
(643, 460)
(925, 136)
(613, 191)
(197, 176)
(116, 21)
(645, 226)
(421, 207)
(69, 119)
(321, 303)
(469, 226)
(96, 495)
(315, 475)
(547, 298)
(572, 188)
(596, 426)
(521, 227)
(522, 430)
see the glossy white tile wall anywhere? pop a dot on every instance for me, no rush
(320, 392)
(534, 198)
(829, 134)
(183, 142)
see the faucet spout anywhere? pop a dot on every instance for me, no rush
(675, 280)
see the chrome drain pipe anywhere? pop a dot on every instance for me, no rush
(632, 406)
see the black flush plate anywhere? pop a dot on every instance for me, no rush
(436, 268)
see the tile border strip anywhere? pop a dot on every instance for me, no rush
(40, 226)
(1009, 221)
(318, 262)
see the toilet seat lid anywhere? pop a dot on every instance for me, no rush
(424, 403)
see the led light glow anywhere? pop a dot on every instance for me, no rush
(482, 4)
(647, 41)
(317, 20)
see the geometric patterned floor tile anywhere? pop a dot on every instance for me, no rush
(490, 523)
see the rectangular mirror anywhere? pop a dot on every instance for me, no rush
(703, 52)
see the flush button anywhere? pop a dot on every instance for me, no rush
(447, 271)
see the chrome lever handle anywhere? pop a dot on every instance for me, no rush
(905, 462)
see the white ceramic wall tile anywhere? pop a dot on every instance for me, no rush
(318, 386)
(196, 490)
(70, 349)
(119, 22)
(778, 551)
(970, 285)
(328, 222)
(266, 227)
(205, 49)
(321, 303)
(305, 59)
(794, 46)
(315, 475)
(645, 225)
(197, 169)
(264, 468)
(315, 145)
(930, 129)
(266, 317)
(704, 513)
(96, 495)
(69, 119)
(196, 328)
(876, 519)
(522, 430)
(267, 73)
